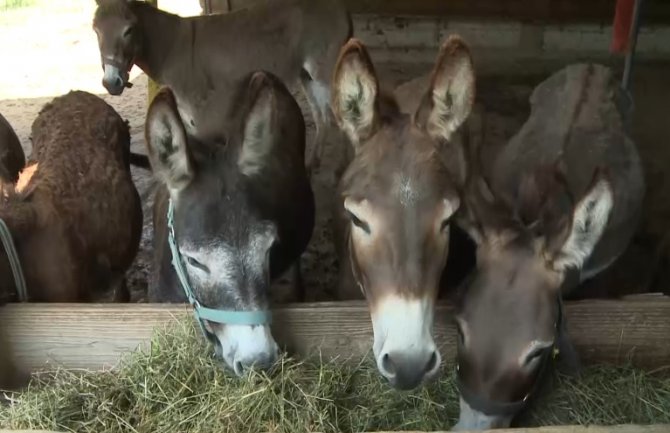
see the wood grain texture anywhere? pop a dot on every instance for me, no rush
(94, 336)
(536, 11)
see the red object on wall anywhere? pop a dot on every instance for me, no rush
(623, 20)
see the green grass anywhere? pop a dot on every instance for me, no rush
(175, 387)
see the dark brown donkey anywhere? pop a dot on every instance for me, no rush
(243, 214)
(396, 201)
(12, 158)
(562, 204)
(74, 214)
(202, 58)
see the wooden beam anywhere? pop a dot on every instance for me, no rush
(94, 336)
(538, 11)
(629, 428)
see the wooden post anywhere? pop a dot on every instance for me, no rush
(153, 87)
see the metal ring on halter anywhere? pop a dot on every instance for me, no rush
(228, 317)
(499, 408)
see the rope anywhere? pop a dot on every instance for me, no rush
(14, 262)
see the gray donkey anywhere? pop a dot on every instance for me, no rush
(230, 218)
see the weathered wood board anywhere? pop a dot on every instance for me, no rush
(94, 336)
(535, 11)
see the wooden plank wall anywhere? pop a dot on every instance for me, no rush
(536, 11)
(95, 336)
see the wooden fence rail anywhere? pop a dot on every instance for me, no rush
(94, 336)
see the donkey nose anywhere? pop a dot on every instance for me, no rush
(114, 85)
(408, 371)
(262, 362)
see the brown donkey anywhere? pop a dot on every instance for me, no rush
(12, 158)
(396, 200)
(74, 215)
(563, 203)
(202, 58)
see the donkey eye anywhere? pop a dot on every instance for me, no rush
(359, 223)
(128, 31)
(535, 355)
(196, 264)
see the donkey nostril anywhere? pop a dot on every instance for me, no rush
(118, 82)
(433, 362)
(388, 365)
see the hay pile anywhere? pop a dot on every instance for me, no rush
(175, 388)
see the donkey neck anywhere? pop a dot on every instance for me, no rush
(162, 35)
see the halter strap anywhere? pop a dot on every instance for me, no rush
(500, 408)
(229, 317)
(14, 262)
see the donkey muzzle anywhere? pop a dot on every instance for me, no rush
(115, 80)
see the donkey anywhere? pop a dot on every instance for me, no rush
(12, 158)
(202, 58)
(562, 204)
(74, 217)
(396, 200)
(240, 214)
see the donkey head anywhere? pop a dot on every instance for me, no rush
(509, 314)
(223, 228)
(119, 40)
(398, 196)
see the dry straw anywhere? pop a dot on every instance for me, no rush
(174, 387)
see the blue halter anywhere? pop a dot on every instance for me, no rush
(228, 317)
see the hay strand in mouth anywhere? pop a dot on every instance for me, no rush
(176, 386)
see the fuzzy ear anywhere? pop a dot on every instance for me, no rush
(355, 92)
(450, 98)
(259, 125)
(167, 144)
(589, 220)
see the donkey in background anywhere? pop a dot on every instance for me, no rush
(243, 212)
(561, 205)
(74, 214)
(203, 58)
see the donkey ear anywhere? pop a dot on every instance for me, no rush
(167, 144)
(449, 100)
(589, 220)
(476, 213)
(259, 125)
(355, 92)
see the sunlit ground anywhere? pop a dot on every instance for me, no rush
(49, 48)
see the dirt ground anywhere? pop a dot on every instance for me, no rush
(68, 59)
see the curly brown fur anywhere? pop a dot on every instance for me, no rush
(77, 222)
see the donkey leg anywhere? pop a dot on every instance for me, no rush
(120, 287)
